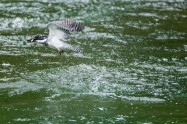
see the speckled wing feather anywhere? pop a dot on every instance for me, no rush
(64, 28)
(69, 25)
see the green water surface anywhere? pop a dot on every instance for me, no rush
(133, 70)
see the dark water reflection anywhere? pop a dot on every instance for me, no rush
(133, 70)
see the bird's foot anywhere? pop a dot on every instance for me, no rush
(61, 52)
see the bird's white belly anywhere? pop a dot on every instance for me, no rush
(57, 44)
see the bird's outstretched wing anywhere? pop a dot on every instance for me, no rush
(64, 28)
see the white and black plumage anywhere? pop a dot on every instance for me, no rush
(59, 32)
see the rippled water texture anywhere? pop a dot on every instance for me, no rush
(133, 70)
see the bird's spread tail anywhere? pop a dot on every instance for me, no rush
(67, 46)
(79, 50)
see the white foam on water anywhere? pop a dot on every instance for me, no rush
(22, 120)
(86, 80)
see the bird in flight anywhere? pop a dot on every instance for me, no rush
(59, 33)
